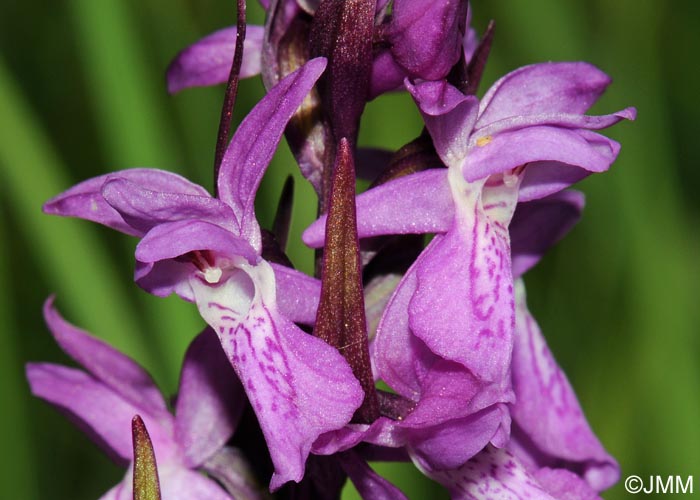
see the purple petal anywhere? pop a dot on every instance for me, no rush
(383, 432)
(543, 178)
(299, 386)
(117, 371)
(569, 87)
(451, 402)
(449, 115)
(394, 344)
(508, 150)
(386, 74)
(377, 294)
(435, 446)
(97, 410)
(208, 61)
(426, 38)
(416, 203)
(546, 408)
(539, 224)
(165, 277)
(174, 239)
(369, 484)
(563, 120)
(85, 200)
(492, 474)
(463, 305)
(449, 392)
(256, 140)
(210, 400)
(297, 294)
(144, 209)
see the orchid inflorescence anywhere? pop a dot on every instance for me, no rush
(282, 386)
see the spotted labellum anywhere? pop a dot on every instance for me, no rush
(399, 347)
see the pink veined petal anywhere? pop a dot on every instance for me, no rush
(210, 400)
(97, 410)
(463, 305)
(539, 224)
(451, 402)
(369, 484)
(85, 200)
(298, 386)
(508, 150)
(449, 115)
(563, 87)
(208, 61)
(297, 294)
(546, 407)
(144, 209)
(117, 371)
(256, 140)
(416, 203)
(494, 474)
(426, 38)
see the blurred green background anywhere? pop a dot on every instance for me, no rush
(82, 93)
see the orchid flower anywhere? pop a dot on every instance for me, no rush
(208, 250)
(528, 138)
(103, 400)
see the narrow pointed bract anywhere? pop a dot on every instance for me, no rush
(146, 482)
(341, 312)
